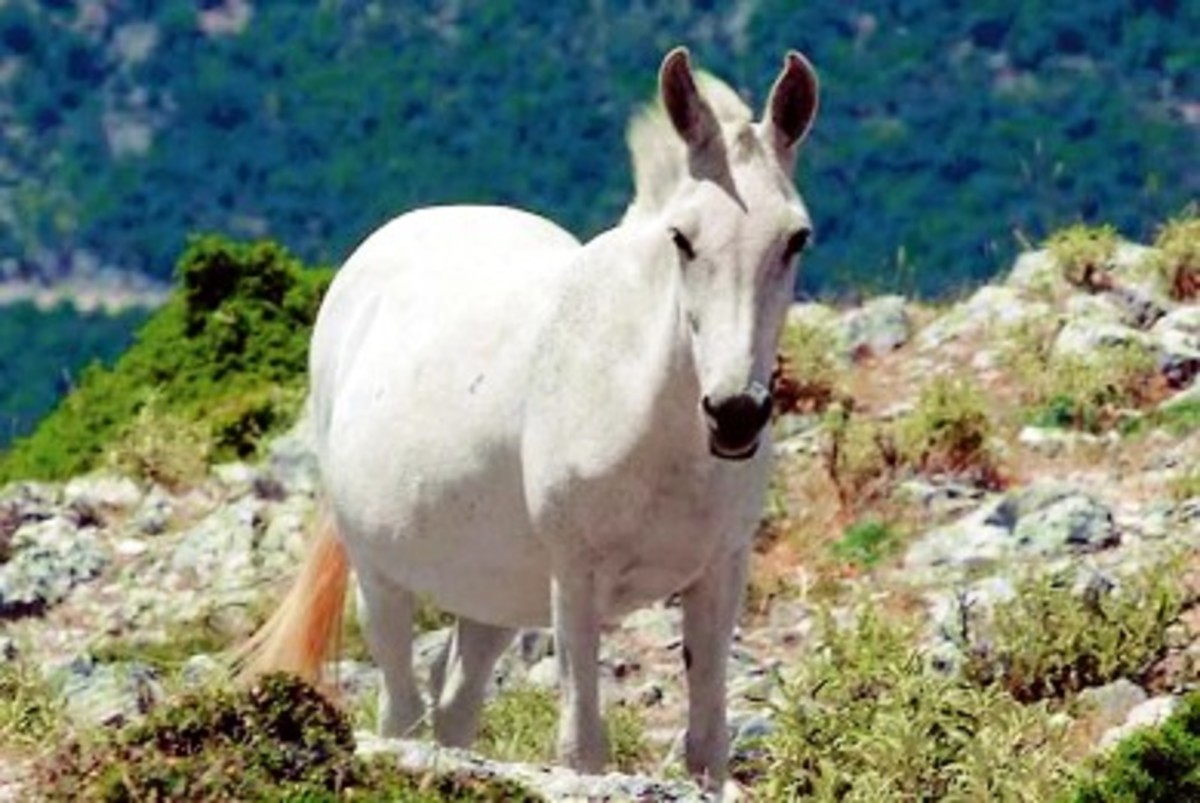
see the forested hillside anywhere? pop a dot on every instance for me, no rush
(948, 130)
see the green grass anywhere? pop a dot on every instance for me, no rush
(866, 543)
(1084, 254)
(227, 355)
(29, 712)
(520, 724)
(1177, 259)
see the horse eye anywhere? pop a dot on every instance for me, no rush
(797, 243)
(683, 244)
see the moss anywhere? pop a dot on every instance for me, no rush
(865, 543)
(279, 739)
(227, 354)
(1156, 765)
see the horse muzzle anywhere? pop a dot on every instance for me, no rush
(735, 422)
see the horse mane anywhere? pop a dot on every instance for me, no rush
(659, 155)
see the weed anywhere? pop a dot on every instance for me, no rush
(1085, 255)
(1156, 765)
(161, 447)
(860, 457)
(29, 712)
(864, 719)
(1050, 641)
(1186, 484)
(807, 377)
(948, 432)
(1177, 259)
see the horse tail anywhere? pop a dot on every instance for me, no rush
(304, 631)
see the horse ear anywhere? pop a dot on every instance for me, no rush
(792, 105)
(690, 113)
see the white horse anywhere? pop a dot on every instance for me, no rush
(532, 431)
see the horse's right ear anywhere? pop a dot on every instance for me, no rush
(689, 112)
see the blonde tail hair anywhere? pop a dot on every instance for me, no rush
(304, 632)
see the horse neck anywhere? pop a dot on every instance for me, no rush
(641, 281)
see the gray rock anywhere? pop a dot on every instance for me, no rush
(49, 559)
(106, 694)
(103, 491)
(292, 459)
(1077, 522)
(1036, 273)
(1084, 337)
(1112, 702)
(1148, 714)
(989, 307)
(880, 326)
(153, 516)
(553, 782)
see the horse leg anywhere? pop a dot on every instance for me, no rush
(581, 739)
(710, 609)
(461, 684)
(386, 613)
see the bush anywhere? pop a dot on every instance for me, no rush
(807, 377)
(948, 433)
(227, 353)
(1178, 257)
(279, 739)
(1156, 765)
(864, 719)
(1085, 255)
(1050, 641)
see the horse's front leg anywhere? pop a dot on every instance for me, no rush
(710, 610)
(581, 739)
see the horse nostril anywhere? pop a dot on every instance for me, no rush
(738, 419)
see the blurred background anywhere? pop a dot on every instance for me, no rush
(951, 134)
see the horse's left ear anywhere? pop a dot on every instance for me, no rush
(792, 105)
(690, 114)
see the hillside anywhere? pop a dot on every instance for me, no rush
(949, 136)
(947, 132)
(976, 577)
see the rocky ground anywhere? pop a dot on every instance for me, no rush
(97, 571)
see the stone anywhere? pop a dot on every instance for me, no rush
(103, 491)
(990, 307)
(1112, 702)
(879, 327)
(1076, 522)
(1148, 714)
(106, 694)
(49, 559)
(1083, 337)
(1036, 273)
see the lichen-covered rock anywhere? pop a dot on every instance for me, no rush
(49, 559)
(105, 694)
(879, 327)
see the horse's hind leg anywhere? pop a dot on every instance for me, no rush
(386, 613)
(460, 683)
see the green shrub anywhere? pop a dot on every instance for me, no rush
(279, 739)
(860, 456)
(865, 543)
(227, 353)
(948, 432)
(864, 719)
(1050, 641)
(1085, 254)
(1177, 260)
(807, 375)
(1156, 765)
(29, 712)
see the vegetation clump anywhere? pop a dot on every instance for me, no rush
(520, 725)
(1050, 641)
(1177, 259)
(278, 739)
(1085, 255)
(1155, 765)
(216, 361)
(807, 376)
(865, 719)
